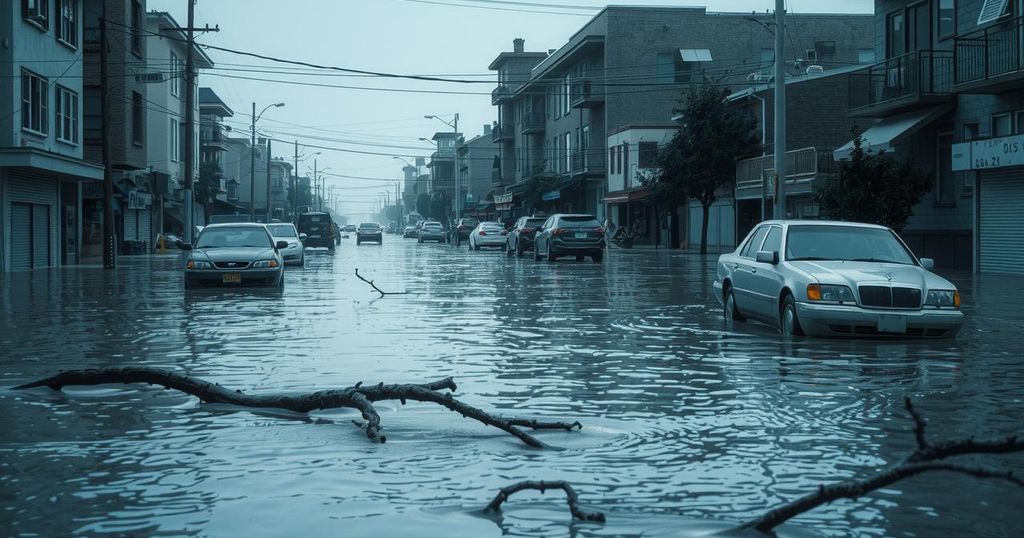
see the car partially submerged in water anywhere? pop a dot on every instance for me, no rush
(827, 278)
(236, 254)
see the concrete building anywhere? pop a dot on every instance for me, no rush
(627, 67)
(475, 161)
(42, 170)
(212, 191)
(442, 171)
(239, 175)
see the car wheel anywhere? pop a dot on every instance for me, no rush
(358, 242)
(550, 255)
(597, 257)
(730, 310)
(519, 249)
(302, 261)
(476, 247)
(509, 251)
(536, 253)
(789, 323)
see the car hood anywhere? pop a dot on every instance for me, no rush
(224, 254)
(854, 274)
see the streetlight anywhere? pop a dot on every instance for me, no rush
(252, 160)
(454, 126)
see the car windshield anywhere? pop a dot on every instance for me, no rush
(233, 237)
(533, 223)
(432, 225)
(845, 243)
(490, 226)
(282, 230)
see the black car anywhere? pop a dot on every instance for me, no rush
(565, 234)
(235, 254)
(520, 237)
(319, 230)
(369, 231)
(462, 229)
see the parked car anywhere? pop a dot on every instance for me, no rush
(565, 234)
(520, 237)
(463, 227)
(431, 230)
(487, 234)
(235, 254)
(350, 228)
(369, 231)
(828, 278)
(319, 229)
(295, 252)
(410, 231)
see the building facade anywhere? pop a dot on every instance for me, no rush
(476, 160)
(213, 187)
(42, 170)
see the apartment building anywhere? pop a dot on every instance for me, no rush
(475, 163)
(42, 169)
(212, 191)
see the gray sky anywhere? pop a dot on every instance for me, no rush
(397, 36)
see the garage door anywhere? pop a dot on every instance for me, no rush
(131, 225)
(1000, 222)
(21, 236)
(33, 232)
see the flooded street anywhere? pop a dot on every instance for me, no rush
(689, 425)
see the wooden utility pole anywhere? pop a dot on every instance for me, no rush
(109, 252)
(269, 210)
(190, 128)
(295, 183)
(780, 110)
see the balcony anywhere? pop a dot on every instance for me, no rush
(213, 136)
(584, 94)
(914, 80)
(501, 133)
(805, 169)
(533, 123)
(989, 60)
(502, 94)
(586, 162)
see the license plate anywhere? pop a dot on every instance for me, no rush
(892, 323)
(232, 278)
(581, 235)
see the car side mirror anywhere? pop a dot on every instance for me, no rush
(928, 264)
(182, 245)
(281, 244)
(765, 256)
(302, 237)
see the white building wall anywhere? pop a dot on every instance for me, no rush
(627, 179)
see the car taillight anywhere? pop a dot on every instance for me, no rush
(559, 231)
(483, 232)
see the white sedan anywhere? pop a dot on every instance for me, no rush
(295, 254)
(830, 278)
(487, 234)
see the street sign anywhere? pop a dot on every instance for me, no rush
(147, 78)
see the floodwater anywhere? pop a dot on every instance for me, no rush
(690, 426)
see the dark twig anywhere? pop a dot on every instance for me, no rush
(571, 497)
(924, 459)
(376, 289)
(360, 397)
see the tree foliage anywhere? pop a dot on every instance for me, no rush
(874, 188)
(701, 157)
(423, 204)
(208, 185)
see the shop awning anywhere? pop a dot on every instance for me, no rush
(885, 134)
(695, 55)
(621, 197)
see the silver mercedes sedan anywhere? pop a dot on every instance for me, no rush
(827, 278)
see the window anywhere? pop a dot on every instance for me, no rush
(919, 34)
(1002, 125)
(945, 192)
(585, 144)
(767, 60)
(773, 242)
(648, 155)
(1018, 122)
(611, 159)
(754, 244)
(136, 28)
(566, 84)
(625, 158)
(174, 140)
(176, 75)
(33, 102)
(824, 49)
(866, 56)
(138, 118)
(36, 12)
(971, 130)
(665, 68)
(946, 13)
(895, 35)
(67, 29)
(66, 119)
(555, 161)
(566, 151)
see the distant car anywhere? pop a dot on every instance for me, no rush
(369, 231)
(520, 237)
(565, 234)
(487, 234)
(319, 229)
(235, 254)
(295, 253)
(828, 278)
(431, 231)
(410, 231)
(350, 228)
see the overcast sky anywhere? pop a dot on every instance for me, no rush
(447, 37)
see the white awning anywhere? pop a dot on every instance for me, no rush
(695, 55)
(884, 134)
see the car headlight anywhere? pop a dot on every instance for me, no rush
(830, 293)
(262, 264)
(198, 264)
(941, 298)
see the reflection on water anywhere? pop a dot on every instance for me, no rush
(690, 424)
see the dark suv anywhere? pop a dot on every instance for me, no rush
(520, 237)
(319, 230)
(369, 231)
(465, 226)
(566, 234)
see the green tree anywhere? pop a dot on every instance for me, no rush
(701, 157)
(208, 186)
(874, 188)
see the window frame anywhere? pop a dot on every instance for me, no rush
(174, 141)
(651, 158)
(35, 103)
(63, 96)
(138, 119)
(938, 20)
(992, 125)
(889, 42)
(177, 73)
(764, 243)
(36, 13)
(63, 21)
(137, 16)
(750, 241)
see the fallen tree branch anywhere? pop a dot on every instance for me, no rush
(359, 397)
(376, 289)
(571, 497)
(924, 459)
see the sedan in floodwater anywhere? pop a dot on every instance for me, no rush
(487, 234)
(431, 231)
(239, 254)
(828, 278)
(295, 253)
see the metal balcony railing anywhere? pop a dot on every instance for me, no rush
(801, 165)
(922, 72)
(533, 122)
(501, 93)
(989, 52)
(584, 93)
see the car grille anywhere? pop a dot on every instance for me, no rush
(231, 265)
(890, 297)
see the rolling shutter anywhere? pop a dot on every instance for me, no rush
(131, 225)
(40, 235)
(1001, 196)
(21, 236)
(145, 228)
(39, 198)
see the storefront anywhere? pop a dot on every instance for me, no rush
(138, 236)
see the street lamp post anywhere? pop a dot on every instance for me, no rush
(252, 159)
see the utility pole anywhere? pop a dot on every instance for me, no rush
(190, 128)
(109, 253)
(268, 180)
(780, 110)
(252, 165)
(295, 184)
(316, 188)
